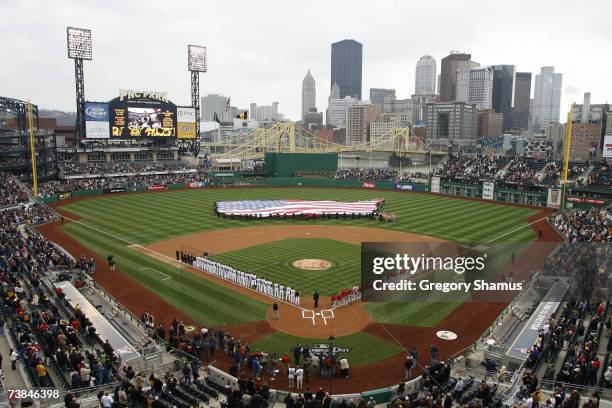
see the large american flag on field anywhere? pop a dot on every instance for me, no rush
(269, 208)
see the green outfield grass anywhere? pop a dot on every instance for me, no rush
(365, 348)
(274, 260)
(146, 218)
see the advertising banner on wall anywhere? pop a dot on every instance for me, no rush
(607, 147)
(586, 200)
(405, 187)
(554, 198)
(435, 184)
(367, 184)
(185, 122)
(96, 120)
(488, 188)
(137, 114)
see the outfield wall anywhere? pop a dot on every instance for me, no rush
(578, 198)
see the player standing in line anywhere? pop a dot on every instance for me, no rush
(297, 297)
(281, 292)
(292, 296)
(299, 377)
(291, 376)
(288, 294)
(276, 290)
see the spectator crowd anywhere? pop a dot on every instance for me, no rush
(122, 166)
(379, 174)
(592, 225)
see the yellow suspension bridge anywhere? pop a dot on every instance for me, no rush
(289, 137)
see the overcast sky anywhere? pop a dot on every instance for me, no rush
(259, 51)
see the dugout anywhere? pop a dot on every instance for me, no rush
(287, 164)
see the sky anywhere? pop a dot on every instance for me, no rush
(259, 51)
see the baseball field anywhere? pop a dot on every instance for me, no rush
(143, 231)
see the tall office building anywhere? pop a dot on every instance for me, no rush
(309, 94)
(451, 121)
(522, 95)
(265, 112)
(421, 101)
(410, 108)
(489, 123)
(589, 123)
(358, 119)
(462, 85)
(547, 98)
(313, 120)
(337, 111)
(346, 60)
(448, 74)
(378, 96)
(211, 104)
(381, 129)
(481, 87)
(425, 77)
(503, 92)
(334, 94)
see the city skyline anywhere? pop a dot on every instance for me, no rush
(272, 69)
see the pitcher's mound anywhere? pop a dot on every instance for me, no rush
(312, 264)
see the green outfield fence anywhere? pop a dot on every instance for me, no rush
(576, 197)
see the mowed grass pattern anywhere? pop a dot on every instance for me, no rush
(147, 218)
(114, 222)
(274, 261)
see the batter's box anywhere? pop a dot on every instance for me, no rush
(327, 314)
(309, 314)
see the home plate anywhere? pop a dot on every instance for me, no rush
(317, 314)
(446, 335)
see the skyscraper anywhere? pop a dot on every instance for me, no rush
(358, 119)
(522, 95)
(451, 121)
(309, 94)
(448, 74)
(547, 98)
(503, 92)
(425, 78)
(481, 87)
(346, 59)
(336, 113)
(334, 94)
(211, 104)
(378, 96)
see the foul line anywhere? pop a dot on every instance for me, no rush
(515, 230)
(180, 262)
(160, 272)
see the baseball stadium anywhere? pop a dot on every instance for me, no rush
(149, 259)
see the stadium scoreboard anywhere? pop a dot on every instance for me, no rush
(139, 114)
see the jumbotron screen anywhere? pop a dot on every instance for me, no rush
(142, 117)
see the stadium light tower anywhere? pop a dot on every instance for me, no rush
(196, 63)
(79, 49)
